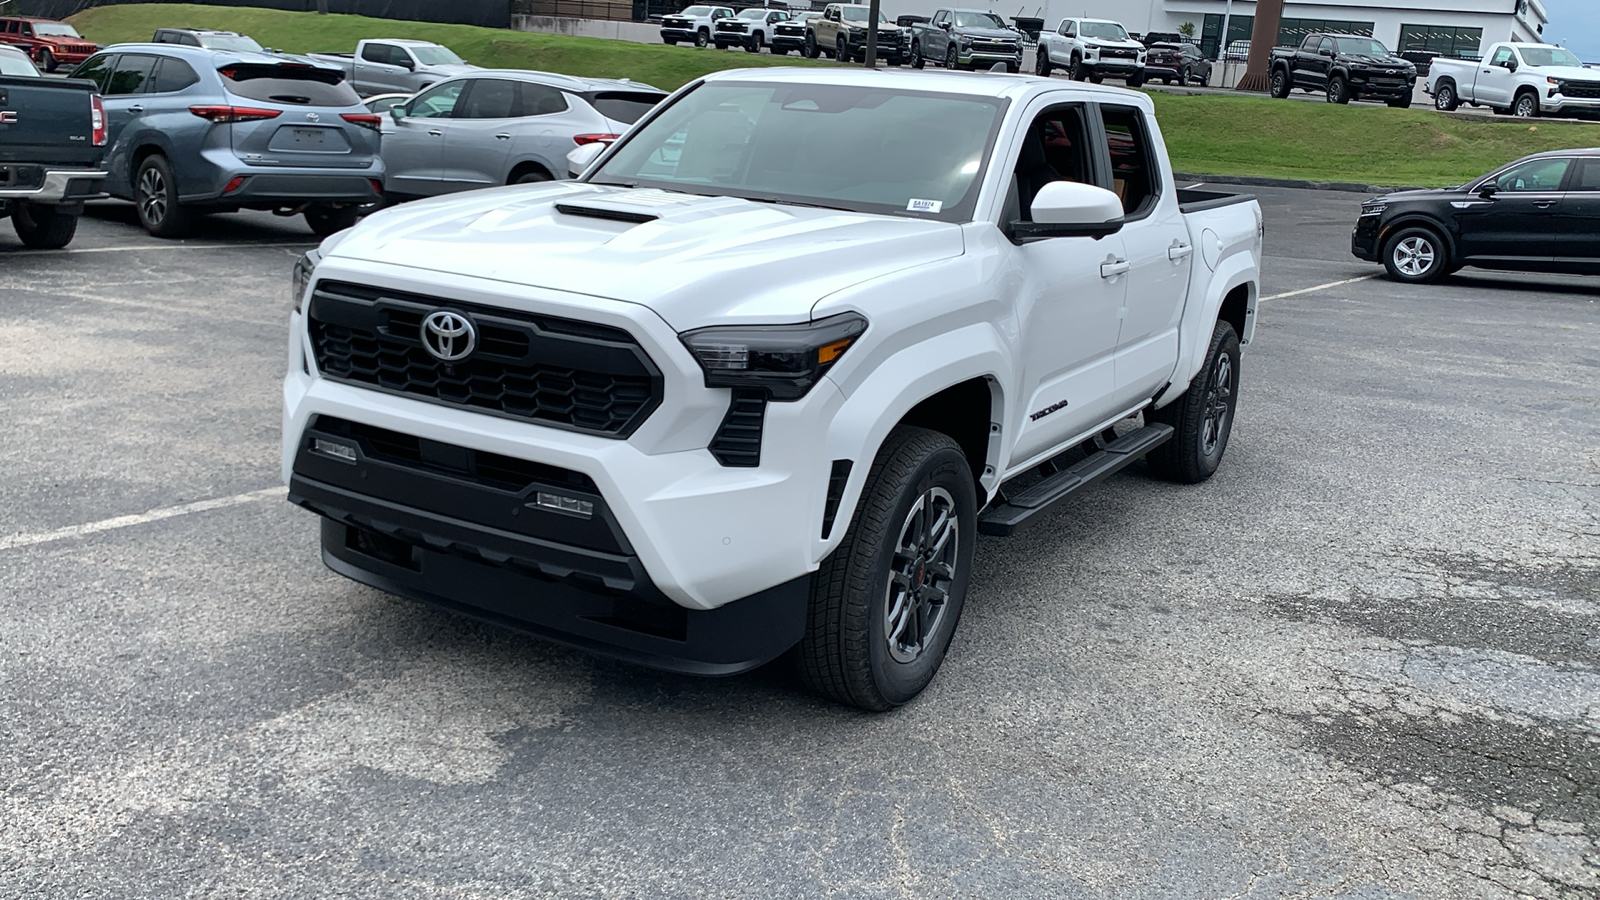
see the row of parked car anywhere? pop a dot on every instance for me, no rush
(200, 122)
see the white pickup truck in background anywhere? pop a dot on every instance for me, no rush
(396, 66)
(588, 409)
(1524, 80)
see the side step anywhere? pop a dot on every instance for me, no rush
(1005, 518)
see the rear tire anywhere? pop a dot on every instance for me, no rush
(1444, 97)
(325, 220)
(534, 177)
(886, 603)
(1416, 256)
(42, 227)
(1202, 418)
(1280, 84)
(155, 195)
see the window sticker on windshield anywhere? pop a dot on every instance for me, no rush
(927, 206)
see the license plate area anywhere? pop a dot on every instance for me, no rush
(309, 139)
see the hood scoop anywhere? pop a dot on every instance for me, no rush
(605, 212)
(637, 206)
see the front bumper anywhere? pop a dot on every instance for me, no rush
(789, 41)
(52, 186)
(678, 34)
(1560, 103)
(1364, 240)
(1101, 64)
(970, 57)
(1367, 87)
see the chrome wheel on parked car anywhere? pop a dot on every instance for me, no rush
(1414, 256)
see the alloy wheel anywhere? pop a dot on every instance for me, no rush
(152, 195)
(1527, 106)
(922, 574)
(1219, 404)
(1443, 98)
(1414, 256)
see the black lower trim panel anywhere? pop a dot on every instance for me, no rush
(636, 626)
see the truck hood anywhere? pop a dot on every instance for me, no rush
(1393, 62)
(693, 260)
(449, 70)
(1568, 73)
(993, 34)
(1103, 44)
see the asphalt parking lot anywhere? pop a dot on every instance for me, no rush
(1361, 662)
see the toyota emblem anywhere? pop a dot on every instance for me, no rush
(449, 336)
(313, 117)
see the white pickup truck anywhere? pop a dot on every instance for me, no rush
(1091, 49)
(396, 66)
(587, 409)
(1525, 80)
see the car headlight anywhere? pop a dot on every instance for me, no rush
(300, 279)
(784, 360)
(1373, 209)
(965, 42)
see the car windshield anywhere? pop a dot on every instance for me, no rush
(1550, 56)
(859, 14)
(757, 13)
(697, 11)
(1361, 47)
(16, 64)
(1105, 31)
(55, 29)
(978, 20)
(435, 56)
(237, 42)
(874, 150)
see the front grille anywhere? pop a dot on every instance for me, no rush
(504, 473)
(1581, 90)
(738, 439)
(676, 23)
(1119, 54)
(993, 47)
(726, 26)
(557, 372)
(789, 30)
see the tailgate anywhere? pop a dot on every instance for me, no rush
(294, 117)
(48, 122)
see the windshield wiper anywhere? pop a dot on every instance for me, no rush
(782, 202)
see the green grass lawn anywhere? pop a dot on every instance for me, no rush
(1213, 135)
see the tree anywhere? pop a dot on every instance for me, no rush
(1187, 30)
(1263, 37)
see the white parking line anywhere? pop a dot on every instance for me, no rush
(1322, 287)
(146, 247)
(154, 515)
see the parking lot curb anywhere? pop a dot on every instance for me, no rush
(1351, 187)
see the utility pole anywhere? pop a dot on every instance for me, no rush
(322, 7)
(872, 35)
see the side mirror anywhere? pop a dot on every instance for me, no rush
(582, 157)
(945, 25)
(397, 112)
(408, 64)
(1070, 209)
(1488, 191)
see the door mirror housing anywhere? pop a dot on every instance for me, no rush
(1071, 209)
(1488, 191)
(945, 25)
(397, 112)
(582, 157)
(407, 63)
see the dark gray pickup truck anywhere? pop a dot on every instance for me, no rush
(52, 139)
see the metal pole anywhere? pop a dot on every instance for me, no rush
(1227, 15)
(872, 35)
(322, 7)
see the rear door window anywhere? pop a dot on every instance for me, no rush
(1588, 177)
(622, 106)
(289, 85)
(488, 98)
(96, 69)
(1134, 175)
(131, 76)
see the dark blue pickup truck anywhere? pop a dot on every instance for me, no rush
(52, 139)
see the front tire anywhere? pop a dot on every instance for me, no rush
(1043, 66)
(1075, 69)
(43, 227)
(325, 220)
(753, 45)
(1400, 102)
(916, 55)
(1526, 106)
(1135, 80)
(1416, 256)
(47, 61)
(951, 61)
(1202, 419)
(811, 51)
(841, 50)
(1338, 90)
(155, 195)
(702, 38)
(886, 603)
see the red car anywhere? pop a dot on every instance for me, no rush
(49, 42)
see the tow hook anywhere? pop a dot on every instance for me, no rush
(287, 211)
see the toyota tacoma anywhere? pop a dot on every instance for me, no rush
(587, 409)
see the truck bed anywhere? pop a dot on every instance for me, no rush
(1193, 200)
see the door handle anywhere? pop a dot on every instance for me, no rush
(136, 109)
(1113, 269)
(502, 137)
(435, 132)
(1544, 204)
(1179, 251)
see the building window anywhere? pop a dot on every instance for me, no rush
(1239, 28)
(1445, 40)
(1292, 32)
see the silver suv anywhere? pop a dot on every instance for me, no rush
(191, 130)
(503, 127)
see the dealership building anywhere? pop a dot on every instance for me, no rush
(1449, 27)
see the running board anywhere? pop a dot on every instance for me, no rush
(1005, 518)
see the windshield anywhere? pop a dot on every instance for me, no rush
(435, 56)
(236, 42)
(1105, 31)
(16, 64)
(697, 11)
(1550, 56)
(859, 14)
(978, 20)
(55, 29)
(874, 150)
(1361, 47)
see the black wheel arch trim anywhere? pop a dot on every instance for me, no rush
(1423, 220)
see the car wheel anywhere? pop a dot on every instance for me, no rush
(1135, 80)
(1444, 98)
(670, 42)
(1338, 90)
(47, 61)
(754, 44)
(812, 51)
(1184, 75)
(1202, 418)
(720, 45)
(916, 55)
(951, 61)
(155, 195)
(885, 604)
(534, 177)
(1097, 78)
(701, 38)
(841, 50)
(1075, 70)
(1416, 256)
(325, 220)
(1280, 84)
(1043, 66)
(1526, 106)
(1400, 102)
(43, 227)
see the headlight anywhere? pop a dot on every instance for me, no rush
(965, 42)
(785, 360)
(1373, 209)
(300, 279)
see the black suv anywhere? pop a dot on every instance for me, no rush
(1538, 214)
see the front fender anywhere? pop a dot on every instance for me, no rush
(897, 385)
